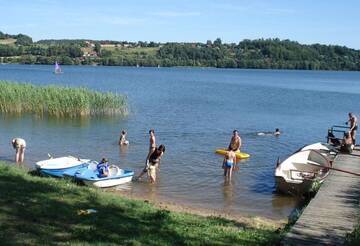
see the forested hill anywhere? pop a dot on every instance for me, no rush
(260, 53)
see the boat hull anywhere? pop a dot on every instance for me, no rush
(60, 172)
(109, 182)
(304, 187)
(115, 177)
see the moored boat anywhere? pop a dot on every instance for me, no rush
(58, 166)
(301, 171)
(116, 177)
(325, 149)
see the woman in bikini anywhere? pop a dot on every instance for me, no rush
(154, 162)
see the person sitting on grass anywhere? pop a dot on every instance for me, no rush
(103, 168)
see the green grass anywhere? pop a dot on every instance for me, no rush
(353, 239)
(58, 101)
(43, 211)
(119, 51)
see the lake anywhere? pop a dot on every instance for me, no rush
(193, 112)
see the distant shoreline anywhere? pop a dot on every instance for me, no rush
(270, 53)
(185, 67)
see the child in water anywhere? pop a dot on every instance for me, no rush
(122, 139)
(228, 163)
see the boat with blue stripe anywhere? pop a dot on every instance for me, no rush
(56, 167)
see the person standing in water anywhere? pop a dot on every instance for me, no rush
(152, 148)
(19, 145)
(122, 139)
(353, 126)
(228, 163)
(152, 144)
(154, 162)
(235, 142)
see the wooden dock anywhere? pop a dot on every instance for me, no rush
(333, 212)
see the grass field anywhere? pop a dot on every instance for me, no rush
(7, 41)
(58, 101)
(45, 211)
(119, 51)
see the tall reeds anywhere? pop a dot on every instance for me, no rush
(59, 101)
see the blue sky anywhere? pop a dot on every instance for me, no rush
(316, 21)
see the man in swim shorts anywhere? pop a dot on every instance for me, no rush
(235, 142)
(152, 148)
(353, 126)
(19, 145)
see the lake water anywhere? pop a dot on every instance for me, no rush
(193, 112)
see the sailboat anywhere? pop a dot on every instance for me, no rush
(57, 68)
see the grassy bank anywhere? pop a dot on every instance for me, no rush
(354, 238)
(58, 100)
(37, 211)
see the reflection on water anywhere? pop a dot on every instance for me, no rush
(193, 112)
(123, 151)
(228, 194)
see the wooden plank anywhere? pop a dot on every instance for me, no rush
(332, 213)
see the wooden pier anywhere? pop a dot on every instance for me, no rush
(334, 211)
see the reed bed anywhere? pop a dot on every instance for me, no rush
(59, 101)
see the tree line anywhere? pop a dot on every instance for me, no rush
(258, 54)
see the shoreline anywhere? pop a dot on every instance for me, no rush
(256, 222)
(44, 210)
(185, 67)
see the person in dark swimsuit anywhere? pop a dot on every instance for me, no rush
(154, 162)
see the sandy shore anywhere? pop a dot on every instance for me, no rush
(243, 220)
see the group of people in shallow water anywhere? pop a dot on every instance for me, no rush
(152, 161)
(153, 158)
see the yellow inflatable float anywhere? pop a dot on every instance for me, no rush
(239, 155)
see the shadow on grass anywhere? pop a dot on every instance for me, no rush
(38, 211)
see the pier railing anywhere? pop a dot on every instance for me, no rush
(335, 130)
